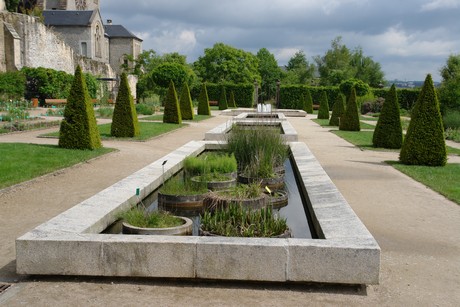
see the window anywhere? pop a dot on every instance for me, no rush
(84, 49)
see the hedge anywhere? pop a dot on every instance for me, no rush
(337, 111)
(124, 121)
(406, 97)
(203, 101)
(223, 105)
(12, 85)
(243, 93)
(291, 95)
(185, 103)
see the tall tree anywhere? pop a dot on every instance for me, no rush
(269, 72)
(298, 69)
(424, 143)
(224, 63)
(450, 87)
(367, 70)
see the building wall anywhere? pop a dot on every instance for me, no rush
(121, 46)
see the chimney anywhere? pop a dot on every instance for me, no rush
(109, 21)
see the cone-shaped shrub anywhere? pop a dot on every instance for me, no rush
(388, 132)
(350, 119)
(79, 128)
(424, 143)
(337, 111)
(203, 102)
(172, 113)
(232, 102)
(186, 105)
(223, 99)
(323, 112)
(308, 103)
(124, 120)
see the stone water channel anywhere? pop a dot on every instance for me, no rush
(72, 243)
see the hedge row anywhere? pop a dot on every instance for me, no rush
(406, 97)
(244, 93)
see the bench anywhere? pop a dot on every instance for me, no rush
(316, 107)
(55, 102)
(213, 102)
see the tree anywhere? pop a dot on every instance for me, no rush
(172, 110)
(185, 103)
(223, 99)
(124, 121)
(203, 101)
(167, 72)
(367, 70)
(308, 103)
(232, 102)
(350, 119)
(337, 111)
(424, 143)
(323, 112)
(360, 87)
(223, 63)
(298, 69)
(388, 132)
(449, 92)
(79, 128)
(269, 72)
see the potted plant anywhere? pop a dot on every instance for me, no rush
(246, 195)
(237, 221)
(140, 221)
(181, 194)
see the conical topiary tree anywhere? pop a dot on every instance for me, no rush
(124, 120)
(172, 113)
(223, 99)
(350, 119)
(303, 102)
(323, 112)
(203, 102)
(308, 103)
(79, 128)
(388, 132)
(231, 101)
(424, 143)
(337, 111)
(185, 103)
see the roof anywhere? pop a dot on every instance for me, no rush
(67, 18)
(118, 31)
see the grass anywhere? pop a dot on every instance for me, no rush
(138, 217)
(159, 117)
(369, 118)
(443, 180)
(325, 123)
(177, 186)
(22, 162)
(147, 131)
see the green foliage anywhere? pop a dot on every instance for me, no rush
(323, 112)
(124, 121)
(269, 71)
(223, 99)
(388, 132)
(243, 93)
(224, 63)
(12, 5)
(450, 86)
(172, 112)
(406, 97)
(210, 163)
(291, 95)
(350, 119)
(308, 102)
(424, 143)
(337, 111)
(231, 101)
(78, 128)
(203, 102)
(145, 109)
(180, 186)
(451, 119)
(12, 85)
(361, 88)
(298, 70)
(186, 105)
(167, 72)
(236, 221)
(139, 217)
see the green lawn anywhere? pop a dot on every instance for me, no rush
(196, 118)
(443, 180)
(22, 162)
(325, 123)
(148, 131)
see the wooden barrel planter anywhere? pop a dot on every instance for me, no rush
(278, 199)
(214, 200)
(274, 183)
(183, 230)
(218, 185)
(176, 203)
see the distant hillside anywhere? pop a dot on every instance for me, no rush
(409, 84)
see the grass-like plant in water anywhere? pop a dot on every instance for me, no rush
(181, 186)
(237, 221)
(139, 217)
(211, 162)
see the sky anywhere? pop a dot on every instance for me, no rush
(409, 38)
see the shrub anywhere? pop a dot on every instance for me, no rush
(308, 102)
(185, 103)
(360, 87)
(79, 128)
(172, 111)
(104, 112)
(453, 134)
(424, 143)
(451, 119)
(223, 99)
(145, 109)
(203, 102)
(388, 132)
(374, 106)
(350, 119)
(323, 112)
(12, 85)
(337, 111)
(231, 101)
(124, 121)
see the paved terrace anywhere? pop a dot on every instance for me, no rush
(416, 228)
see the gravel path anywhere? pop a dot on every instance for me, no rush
(416, 228)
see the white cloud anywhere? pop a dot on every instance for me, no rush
(173, 41)
(440, 4)
(283, 55)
